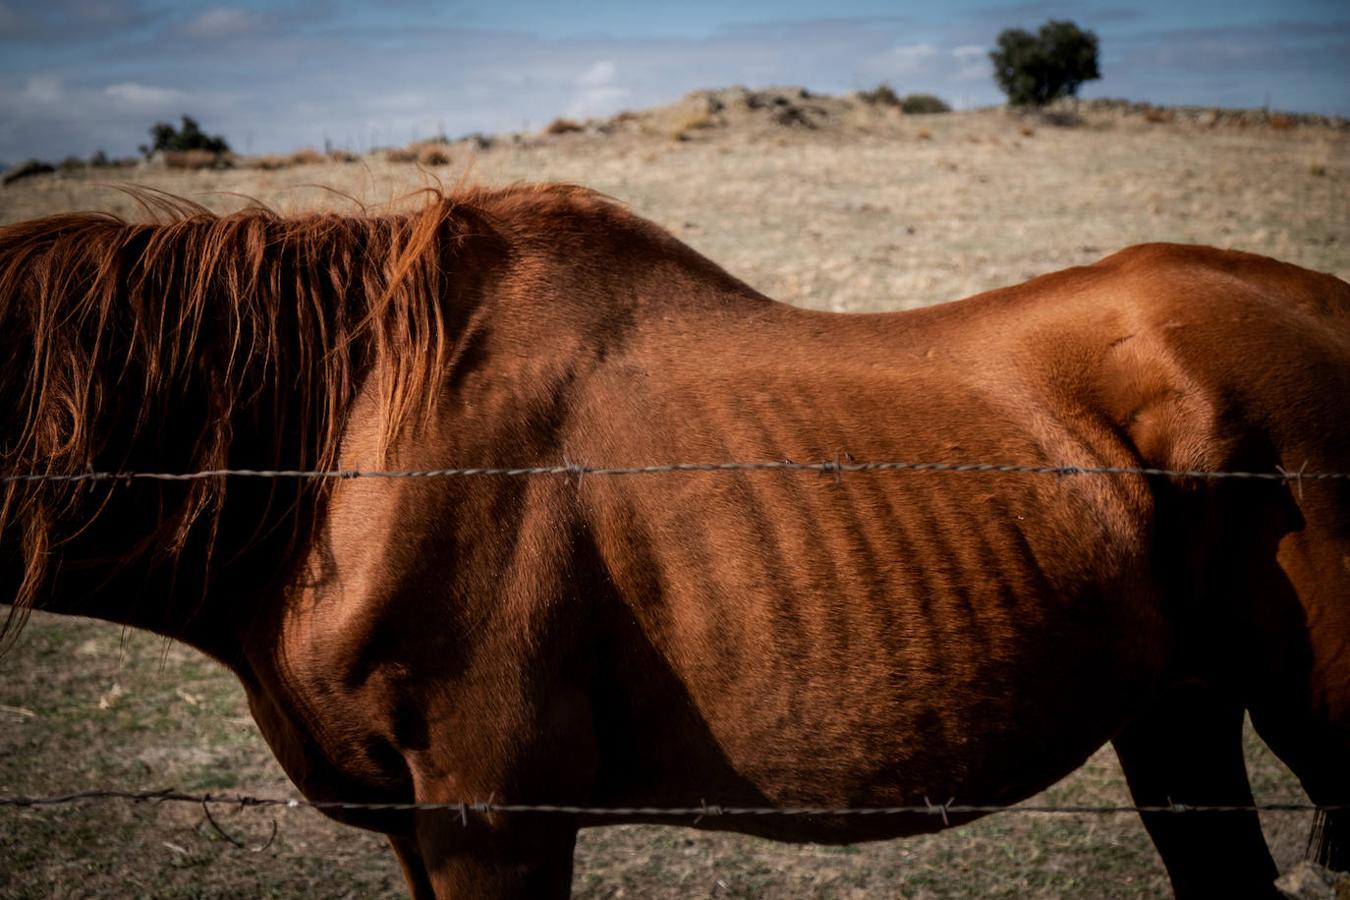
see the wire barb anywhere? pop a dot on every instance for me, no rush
(940, 809)
(1296, 476)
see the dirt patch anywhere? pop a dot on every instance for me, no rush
(154, 737)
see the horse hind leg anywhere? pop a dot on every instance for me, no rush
(1301, 704)
(1187, 750)
(1318, 753)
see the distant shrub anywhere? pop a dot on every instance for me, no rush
(881, 95)
(343, 156)
(792, 116)
(71, 164)
(188, 137)
(1036, 69)
(563, 126)
(433, 155)
(400, 155)
(923, 103)
(27, 169)
(99, 160)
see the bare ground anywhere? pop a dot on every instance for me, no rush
(887, 213)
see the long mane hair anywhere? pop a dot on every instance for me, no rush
(197, 342)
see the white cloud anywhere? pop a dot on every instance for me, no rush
(597, 101)
(599, 95)
(599, 74)
(220, 22)
(143, 96)
(79, 119)
(42, 90)
(908, 59)
(972, 63)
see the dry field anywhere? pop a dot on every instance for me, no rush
(882, 212)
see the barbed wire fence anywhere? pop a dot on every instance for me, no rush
(704, 810)
(837, 467)
(826, 467)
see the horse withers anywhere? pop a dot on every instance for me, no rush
(754, 636)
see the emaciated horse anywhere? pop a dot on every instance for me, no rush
(754, 638)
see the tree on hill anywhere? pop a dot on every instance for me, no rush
(190, 136)
(1035, 69)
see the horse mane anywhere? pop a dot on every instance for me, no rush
(150, 346)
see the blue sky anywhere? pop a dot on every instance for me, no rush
(80, 75)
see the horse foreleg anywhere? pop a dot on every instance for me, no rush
(1188, 750)
(414, 870)
(493, 856)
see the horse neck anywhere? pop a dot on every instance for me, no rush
(206, 343)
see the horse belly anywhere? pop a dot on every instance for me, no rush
(900, 638)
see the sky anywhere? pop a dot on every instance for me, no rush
(83, 75)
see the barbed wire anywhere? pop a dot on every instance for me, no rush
(463, 808)
(835, 467)
(826, 467)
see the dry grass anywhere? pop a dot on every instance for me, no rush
(194, 160)
(831, 220)
(268, 162)
(83, 705)
(698, 122)
(308, 156)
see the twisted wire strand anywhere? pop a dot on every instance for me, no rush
(827, 467)
(951, 807)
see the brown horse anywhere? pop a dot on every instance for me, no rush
(758, 638)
